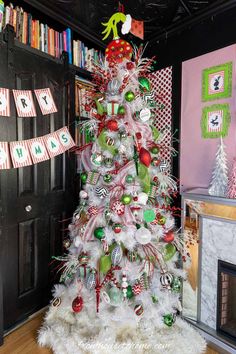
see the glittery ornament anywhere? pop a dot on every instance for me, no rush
(169, 251)
(91, 280)
(66, 243)
(144, 115)
(121, 110)
(112, 125)
(129, 96)
(105, 263)
(96, 159)
(56, 302)
(116, 255)
(99, 233)
(93, 211)
(117, 228)
(169, 236)
(83, 177)
(138, 309)
(149, 215)
(117, 207)
(137, 288)
(176, 285)
(107, 178)
(129, 179)
(126, 199)
(169, 319)
(101, 192)
(130, 65)
(108, 162)
(145, 157)
(144, 84)
(166, 280)
(77, 304)
(143, 235)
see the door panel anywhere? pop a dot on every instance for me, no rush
(36, 198)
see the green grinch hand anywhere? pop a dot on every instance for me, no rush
(112, 25)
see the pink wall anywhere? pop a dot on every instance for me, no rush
(197, 155)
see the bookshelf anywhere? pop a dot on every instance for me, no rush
(44, 28)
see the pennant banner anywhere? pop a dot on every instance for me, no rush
(28, 152)
(25, 103)
(45, 101)
(4, 102)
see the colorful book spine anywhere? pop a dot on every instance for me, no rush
(1, 14)
(69, 49)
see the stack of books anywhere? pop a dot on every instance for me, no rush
(38, 35)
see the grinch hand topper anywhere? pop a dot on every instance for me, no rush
(119, 49)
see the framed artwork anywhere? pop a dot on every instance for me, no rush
(217, 82)
(215, 121)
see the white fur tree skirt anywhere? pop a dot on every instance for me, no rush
(65, 338)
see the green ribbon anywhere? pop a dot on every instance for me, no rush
(155, 133)
(143, 173)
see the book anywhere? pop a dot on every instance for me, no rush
(68, 39)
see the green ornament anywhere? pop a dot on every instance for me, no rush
(105, 264)
(83, 177)
(121, 110)
(129, 293)
(169, 251)
(99, 233)
(129, 96)
(145, 85)
(126, 199)
(176, 285)
(149, 215)
(107, 178)
(155, 150)
(129, 179)
(169, 319)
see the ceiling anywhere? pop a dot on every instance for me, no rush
(161, 17)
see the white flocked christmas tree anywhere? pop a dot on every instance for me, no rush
(219, 182)
(121, 277)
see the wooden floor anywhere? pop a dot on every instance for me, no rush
(23, 340)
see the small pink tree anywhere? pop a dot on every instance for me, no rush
(231, 191)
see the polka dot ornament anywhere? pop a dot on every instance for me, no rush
(118, 50)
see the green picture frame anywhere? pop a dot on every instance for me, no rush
(215, 121)
(217, 82)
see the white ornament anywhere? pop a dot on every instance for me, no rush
(83, 194)
(145, 115)
(142, 198)
(143, 235)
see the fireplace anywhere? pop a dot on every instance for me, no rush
(226, 299)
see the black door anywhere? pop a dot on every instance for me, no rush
(36, 198)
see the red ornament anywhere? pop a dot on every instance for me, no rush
(77, 304)
(138, 135)
(145, 157)
(118, 50)
(117, 228)
(169, 237)
(137, 288)
(112, 125)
